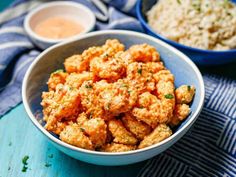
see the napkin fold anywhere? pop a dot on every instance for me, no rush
(208, 149)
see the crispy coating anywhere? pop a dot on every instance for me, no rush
(140, 76)
(75, 80)
(180, 113)
(139, 129)
(164, 75)
(63, 103)
(111, 68)
(111, 99)
(120, 134)
(74, 135)
(184, 94)
(144, 53)
(95, 128)
(116, 97)
(115, 147)
(57, 77)
(161, 132)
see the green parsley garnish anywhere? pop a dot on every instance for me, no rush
(189, 87)
(48, 165)
(25, 163)
(88, 86)
(140, 71)
(169, 96)
(179, 2)
(82, 129)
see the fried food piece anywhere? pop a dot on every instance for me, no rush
(120, 134)
(76, 64)
(63, 103)
(161, 132)
(140, 77)
(57, 77)
(74, 135)
(111, 68)
(164, 75)
(116, 98)
(112, 46)
(184, 94)
(144, 53)
(151, 110)
(115, 147)
(81, 119)
(181, 111)
(139, 129)
(95, 128)
(75, 80)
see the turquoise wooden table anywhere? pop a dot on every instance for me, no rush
(19, 138)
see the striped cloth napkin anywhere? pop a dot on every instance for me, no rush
(208, 149)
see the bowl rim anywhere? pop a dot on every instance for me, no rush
(36, 10)
(124, 32)
(147, 26)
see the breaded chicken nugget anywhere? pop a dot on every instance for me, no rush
(181, 111)
(96, 129)
(57, 77)
(74, 135)
(63, 103)
(115, 147)
(76, 64)
(184, 94)
(112, 46)
(161, 132)
(75, 80)
(120, 134)
(139, 129)
(164, 75)
(144, 53)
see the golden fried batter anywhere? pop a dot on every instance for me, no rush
(111, 99)
(120, 134)
(115, 147)
(161, 132)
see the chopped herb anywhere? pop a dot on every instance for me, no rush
(179, 2)
(82, 129)
(189, 87)
(129, 91)
(88, 86)
(57, 71)
(169, 96)
(141, 107)
(10, 143)
(24, 160)
(48, 165)
(107, 107)
(124, 85)
(50, 156)
(24, 168)
(140, 71)
(91, 115)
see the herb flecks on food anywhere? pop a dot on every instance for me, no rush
(189, 87)
(25, 163)
(169, 96)
(82, 129)
(88, 86)
(178, 1)
(140, 71)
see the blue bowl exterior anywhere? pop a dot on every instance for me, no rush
(52, 59)
(199, 56)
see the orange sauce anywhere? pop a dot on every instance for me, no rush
(58, 28)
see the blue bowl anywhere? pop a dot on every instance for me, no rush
(199, 56)
(52, 59)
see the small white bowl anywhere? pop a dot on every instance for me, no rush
(72, 10)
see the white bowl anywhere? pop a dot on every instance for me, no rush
(34, 84)
(72, 10)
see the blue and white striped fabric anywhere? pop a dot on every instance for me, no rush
(208, 149)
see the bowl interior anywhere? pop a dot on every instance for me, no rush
(70, 10)
(53, 59)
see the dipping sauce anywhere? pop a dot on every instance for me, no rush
(58, 28)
